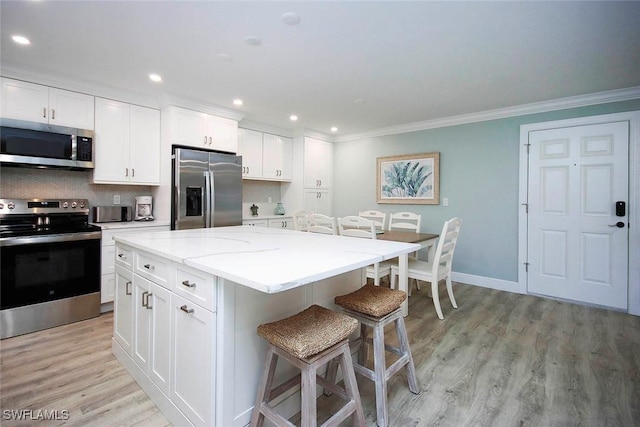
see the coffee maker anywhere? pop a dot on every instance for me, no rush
(144, 208)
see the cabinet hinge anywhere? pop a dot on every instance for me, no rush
(526, 267)
(526, 207)
(528, 147)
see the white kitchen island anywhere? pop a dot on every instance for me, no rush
(188, 303)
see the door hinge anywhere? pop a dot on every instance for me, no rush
(526, 267)
(528, 147)
(526, 207)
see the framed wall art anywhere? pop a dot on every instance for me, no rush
(410, 179)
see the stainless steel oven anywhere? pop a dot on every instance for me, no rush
(50, 264)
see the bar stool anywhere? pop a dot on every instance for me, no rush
(376, 307)
(308, 340)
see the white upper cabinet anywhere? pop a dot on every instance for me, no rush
(199, 130)
(265, 156)
(43, 104)
(127, 144)
(318, 163)
(250, 148)
(277, 157)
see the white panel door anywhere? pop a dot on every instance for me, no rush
(144, 145)
(71, 109)
(24, 101)
(575, 250)
(112, 141)
(250, 148)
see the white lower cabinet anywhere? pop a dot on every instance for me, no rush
(283, 223)
(193, 352)
(165, 333)
(317, 201)
(152, 331)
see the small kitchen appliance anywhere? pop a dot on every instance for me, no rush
(112, 213)
(144, 208)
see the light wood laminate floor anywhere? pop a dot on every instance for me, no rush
(501, 359)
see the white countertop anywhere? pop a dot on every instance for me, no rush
(266, 259)
(130, 224)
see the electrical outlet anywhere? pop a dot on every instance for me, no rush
(116, 199)
(445, 201)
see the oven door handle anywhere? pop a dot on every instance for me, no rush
(52, 238)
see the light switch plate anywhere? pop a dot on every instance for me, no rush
(445, 201)
(116, 199)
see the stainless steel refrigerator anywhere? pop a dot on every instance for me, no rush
(206, 189)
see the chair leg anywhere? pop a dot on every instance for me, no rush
(380, 370)
(308, 397)
(450, 292)
(436, 298)
(351, 386)
(264, 389)
(403, 340)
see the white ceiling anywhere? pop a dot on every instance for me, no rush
(356, 65)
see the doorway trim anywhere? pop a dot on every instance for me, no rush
(633, 117)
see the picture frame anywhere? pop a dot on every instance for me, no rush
(409, 179)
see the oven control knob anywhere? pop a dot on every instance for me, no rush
(81, 205)
(11, 205)
(1, 205)
(74, 204)
(65, 205)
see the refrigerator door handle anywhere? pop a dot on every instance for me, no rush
(207, 199)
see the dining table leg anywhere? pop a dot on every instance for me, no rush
(403, 281)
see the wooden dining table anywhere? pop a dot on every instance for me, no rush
(425, 240)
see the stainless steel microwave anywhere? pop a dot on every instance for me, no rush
(42, 145)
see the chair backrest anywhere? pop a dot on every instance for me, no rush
(324, 224)
(446, 246)
(405, 221)
(301, 220)
(356, 226)
(378, 218)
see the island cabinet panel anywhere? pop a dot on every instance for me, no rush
(193, 351)
(123, 316)
(242, 353)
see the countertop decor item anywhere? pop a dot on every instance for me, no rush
(254, 210)
(279, 210)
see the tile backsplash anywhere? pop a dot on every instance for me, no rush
(30, 183)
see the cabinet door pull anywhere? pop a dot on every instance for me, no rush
(186, 310)
(127, 291)
(133, 172)
(145, 301)
(126, 171)
(210, 140)
(53, 114)
(149, 307)
(149, 267)
(189, 285)
(122, 256)
(44, 113)
(205, 140)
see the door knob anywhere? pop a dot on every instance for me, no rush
(618, 224)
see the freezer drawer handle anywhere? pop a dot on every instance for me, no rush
(149, 267)
(186, 310)
(189, 285)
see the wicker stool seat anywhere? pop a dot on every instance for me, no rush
(375, 307)
(308, 340)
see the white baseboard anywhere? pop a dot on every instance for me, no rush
(488, 282)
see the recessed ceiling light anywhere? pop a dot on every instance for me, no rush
(293, 117)
(155, 77)
(334, 129)
(253, 41)
(291, 18)
(225, 57)
(359, 101)
(237, 102)
(21, 40)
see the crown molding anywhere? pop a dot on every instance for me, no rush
(262, 127)
(502, 113)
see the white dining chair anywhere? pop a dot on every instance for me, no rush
(437, 269)
(323, 224)
(379, 218)
(405, 221)
(301, 220)
(357, 226)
